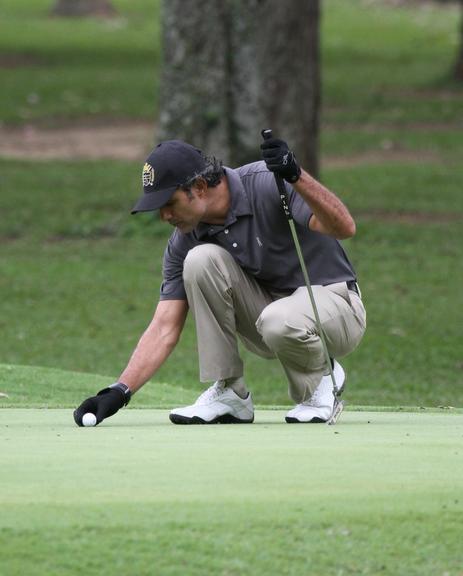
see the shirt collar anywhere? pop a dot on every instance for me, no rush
(239, 206)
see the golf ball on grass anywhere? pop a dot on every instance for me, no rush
(89, 419)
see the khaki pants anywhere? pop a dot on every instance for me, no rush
(227, 302)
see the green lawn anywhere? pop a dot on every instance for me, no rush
(64, 69)
(79, 279)
(379, 64)
(391, 65)
(380, 493)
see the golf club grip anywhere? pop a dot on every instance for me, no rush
(266, 135)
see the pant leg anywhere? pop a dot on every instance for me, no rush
(288, 328)
(225, 302)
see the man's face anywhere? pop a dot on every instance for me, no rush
(184, 210)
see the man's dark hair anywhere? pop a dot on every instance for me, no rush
(212, 174)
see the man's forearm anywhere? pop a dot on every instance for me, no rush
(147, 358)
(330, 215)
(156, 343)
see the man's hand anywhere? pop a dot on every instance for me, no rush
(279, 159)
(106, 403)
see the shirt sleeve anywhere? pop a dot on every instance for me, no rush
(300, 210)
(177, 248)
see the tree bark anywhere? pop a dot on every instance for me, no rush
(234, 67)
(69, 8)
(458, 71)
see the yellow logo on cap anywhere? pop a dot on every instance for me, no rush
(148, 175)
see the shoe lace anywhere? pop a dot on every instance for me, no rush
(319, 396)
(212, 392)
(314, 399)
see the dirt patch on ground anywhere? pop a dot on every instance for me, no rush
(374, 128)
(421, 4)
(134, 140)
(126, 141)
(380, 157)
(10, 61)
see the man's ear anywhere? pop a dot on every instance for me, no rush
(200, 187)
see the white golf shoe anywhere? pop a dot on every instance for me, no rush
(320, 406)
(218, 404)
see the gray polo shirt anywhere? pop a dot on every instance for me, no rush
(257, 235)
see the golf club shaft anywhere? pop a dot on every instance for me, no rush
(266, 134)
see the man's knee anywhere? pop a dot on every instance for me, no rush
(199, 259)
(280, 326)
(273, 325)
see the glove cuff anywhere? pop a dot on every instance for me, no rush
(294, 178)
(120, 387)
(124, 389)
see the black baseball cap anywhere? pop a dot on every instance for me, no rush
(170, 165)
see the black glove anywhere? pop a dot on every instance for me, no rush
(280, 159)
(106, 403)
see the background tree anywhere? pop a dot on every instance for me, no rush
(233, 67)
(458, 67)
(83, 8)
(459, 62)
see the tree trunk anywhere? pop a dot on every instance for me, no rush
(83, 8)
(458, 72)
(234, 67)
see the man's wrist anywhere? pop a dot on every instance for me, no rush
(124, 389)
(293, 178)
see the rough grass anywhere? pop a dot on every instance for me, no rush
(65, 69)
(79, 277)
(38, 387)
(396, 66)
(379, 64)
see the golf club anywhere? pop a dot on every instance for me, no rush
(338, 404)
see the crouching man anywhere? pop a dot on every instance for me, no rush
(231, 260)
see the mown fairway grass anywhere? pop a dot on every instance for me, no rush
(380, 493)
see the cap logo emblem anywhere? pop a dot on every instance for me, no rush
(148, 175)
